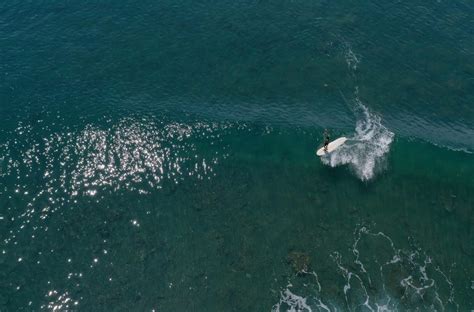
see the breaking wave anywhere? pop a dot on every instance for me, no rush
(365, 151)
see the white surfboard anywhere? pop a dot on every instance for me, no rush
(332, 146)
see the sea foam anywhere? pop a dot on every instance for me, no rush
(393, 279)
(365, 151)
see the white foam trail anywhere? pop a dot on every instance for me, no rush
(365, 150)
(371, 281)
(352, 59)
(294, 303)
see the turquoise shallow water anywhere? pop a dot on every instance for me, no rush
(161, 156)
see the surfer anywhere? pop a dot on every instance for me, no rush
(326, 139)
(330, 147)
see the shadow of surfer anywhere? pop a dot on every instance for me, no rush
(326, 139)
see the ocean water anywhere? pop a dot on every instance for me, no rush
(160, 156)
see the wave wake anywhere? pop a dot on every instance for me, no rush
(365, 151)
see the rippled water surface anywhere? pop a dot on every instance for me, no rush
(160, 156)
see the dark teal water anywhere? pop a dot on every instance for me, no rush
(160, 156)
